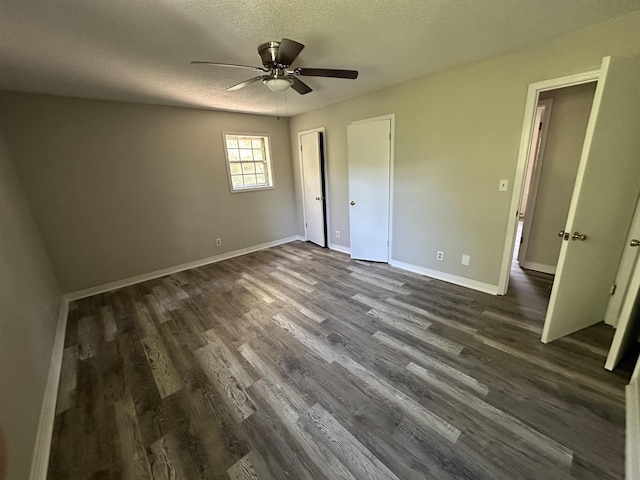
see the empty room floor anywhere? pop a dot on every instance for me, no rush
(297, 362)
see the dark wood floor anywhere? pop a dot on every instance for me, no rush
(298, 363)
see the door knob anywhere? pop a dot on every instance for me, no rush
(634, 243)
(563, 234)
(352, 202)
(318, 198)
(578, 236)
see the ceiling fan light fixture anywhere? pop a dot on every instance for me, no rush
(277, 84)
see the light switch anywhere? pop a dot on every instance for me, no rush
(504, 185)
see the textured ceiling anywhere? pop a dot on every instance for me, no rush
(139, 50)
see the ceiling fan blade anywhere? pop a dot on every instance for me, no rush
(300, 87)
(215, 64)
(327, 72)
(240, 85)
(288, 51)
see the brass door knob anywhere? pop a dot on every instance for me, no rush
(578, 236)
(634, 243)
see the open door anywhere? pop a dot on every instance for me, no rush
(313, 197)
(625, 272)
(622, 310)
(628, 323)
(602, 203)
(369, 147)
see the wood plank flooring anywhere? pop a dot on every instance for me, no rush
(298, 363)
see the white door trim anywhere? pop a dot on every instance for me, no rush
(326, 182)
(392, 141)
(523, 154)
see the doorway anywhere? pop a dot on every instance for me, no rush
(555, 150)
(531, 110)
(532, 181)
(557, 138)
(313, 185)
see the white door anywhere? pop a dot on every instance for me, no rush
(369, 150)
(628, 323)
(625, 270)
(602, 204)
(312, 182)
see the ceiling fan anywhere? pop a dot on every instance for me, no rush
(277, 57)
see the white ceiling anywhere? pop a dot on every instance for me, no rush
(139, 50)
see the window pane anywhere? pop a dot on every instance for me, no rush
(246, 155)
(247, 158)
(234, 155)
(236, 180)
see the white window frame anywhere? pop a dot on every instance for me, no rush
(267, 152)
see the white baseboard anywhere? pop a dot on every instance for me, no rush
(339, 248)
(539, 267)
(446, 277)
(107, 287)
(40, 459)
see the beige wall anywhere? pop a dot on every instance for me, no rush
(457, 134)
(120, 189)
(29, 305)
(567, 127)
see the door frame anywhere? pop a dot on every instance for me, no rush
(392, 141)
(325, 179)
(534, 184)
(528, 122)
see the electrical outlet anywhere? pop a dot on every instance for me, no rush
(465, 260)
(218, 242)
(337, 233)
(439, 255)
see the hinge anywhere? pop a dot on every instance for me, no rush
(613, 289)
(389, 136)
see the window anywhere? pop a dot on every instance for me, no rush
(248, 161)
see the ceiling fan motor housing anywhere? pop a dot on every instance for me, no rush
(268, 53)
